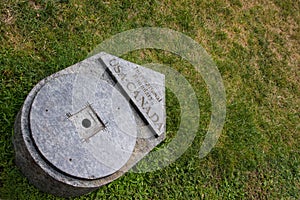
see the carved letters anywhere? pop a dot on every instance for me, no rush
(140, 91)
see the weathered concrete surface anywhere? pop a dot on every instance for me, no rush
(143, 87)
(77, 130)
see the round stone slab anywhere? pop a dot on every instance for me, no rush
(86, 130)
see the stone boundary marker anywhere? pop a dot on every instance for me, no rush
(88, 124)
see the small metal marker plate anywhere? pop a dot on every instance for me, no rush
(146, 92)
(87, 122)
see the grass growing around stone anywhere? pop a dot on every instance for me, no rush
(255, 45)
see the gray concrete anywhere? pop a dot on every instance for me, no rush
(77, 130)
(143, 87)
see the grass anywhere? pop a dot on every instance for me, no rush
(256, 47)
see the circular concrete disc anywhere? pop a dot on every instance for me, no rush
(88, 135)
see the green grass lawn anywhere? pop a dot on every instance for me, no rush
(256, 48)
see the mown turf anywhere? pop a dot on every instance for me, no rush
(256, 47)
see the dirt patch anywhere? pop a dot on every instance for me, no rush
(7, 17)
(35, 5)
